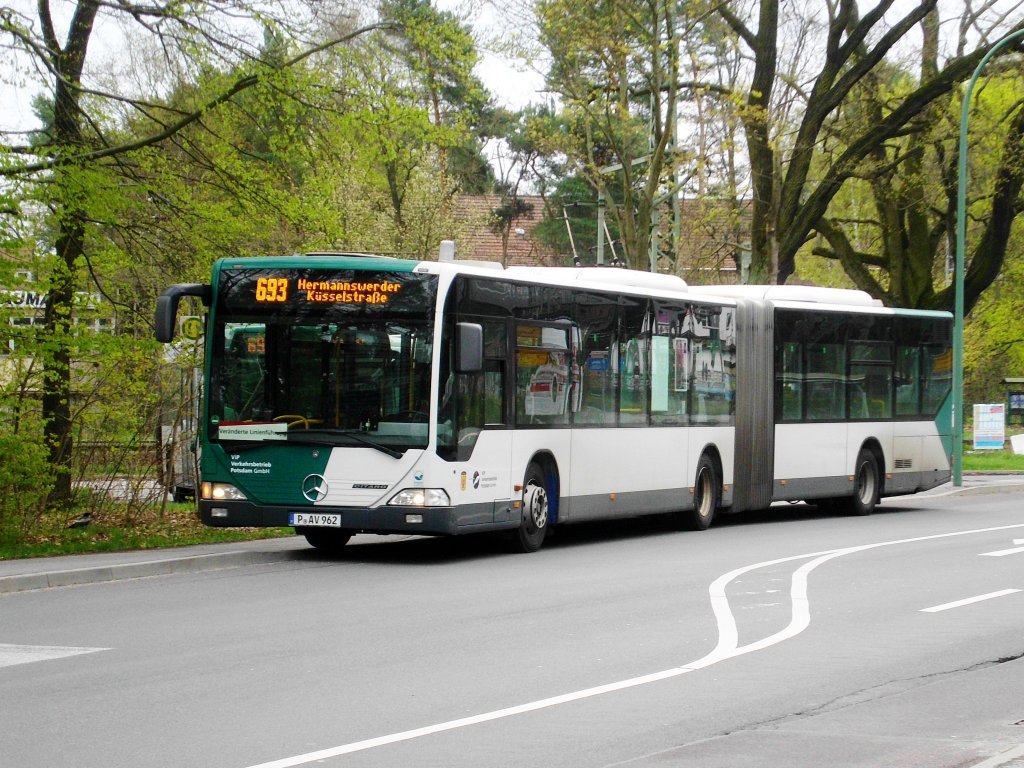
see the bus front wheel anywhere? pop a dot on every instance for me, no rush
(866, 486)
(530, 534)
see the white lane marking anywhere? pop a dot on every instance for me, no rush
(727, 648)
(968, 601)
(1003, 552)
(26, 654)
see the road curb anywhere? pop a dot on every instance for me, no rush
(162, 567)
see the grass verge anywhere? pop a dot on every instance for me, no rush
(992, 461)
(115, 530)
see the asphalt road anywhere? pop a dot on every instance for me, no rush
(784, 639)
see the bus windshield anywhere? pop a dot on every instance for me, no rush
(338, 367)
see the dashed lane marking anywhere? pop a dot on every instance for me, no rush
(968, 601)
(1004, 552)
(26, 654)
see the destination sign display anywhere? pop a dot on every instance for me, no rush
(296, 292)
(278, 289)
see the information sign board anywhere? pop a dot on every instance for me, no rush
(989, 425)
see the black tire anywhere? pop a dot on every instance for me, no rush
(825, 506)
(325, 539)
(866, 486)
(707, 497)
(529, 536)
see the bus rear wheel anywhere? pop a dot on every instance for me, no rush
(866, 486)
(707, 496)
(530, 534)
(324, 539)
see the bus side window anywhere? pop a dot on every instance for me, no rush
(790, 381)
(634, 365)
(908, 381)
(826, 381)
(871, 379)
(495, 345)
(598, 381)
(713, 384)
(543, 374)
(937, 373)
(597, 369)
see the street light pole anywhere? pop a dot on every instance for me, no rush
(961, 217)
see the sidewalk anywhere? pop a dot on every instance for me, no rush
(70, 570)
(980, 483)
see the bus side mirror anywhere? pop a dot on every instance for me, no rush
(167, 307)
(469, 347)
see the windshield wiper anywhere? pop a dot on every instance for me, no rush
(356, 435)
(301, 439)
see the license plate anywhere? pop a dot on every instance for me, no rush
(314, 520)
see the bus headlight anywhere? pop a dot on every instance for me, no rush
(420, 497)
(221, 492)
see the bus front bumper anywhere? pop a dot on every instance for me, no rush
(383, 519)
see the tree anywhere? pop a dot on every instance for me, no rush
(615, 65)
(993, 335)
(518, 141)
(440, 53)
(74, 159)
(898, 246)
(793, 183)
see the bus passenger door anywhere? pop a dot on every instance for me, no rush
(474, 432)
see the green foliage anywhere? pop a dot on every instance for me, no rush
(23, 472)
(575, 200)
(615, 65)
(889, 228)
(994, 334)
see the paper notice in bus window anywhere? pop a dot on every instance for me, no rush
(532, 359)
(659, 373)
(249, 430)
(528, 336)
(682, 350)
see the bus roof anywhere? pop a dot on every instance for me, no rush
(633, 278)
(792, 293)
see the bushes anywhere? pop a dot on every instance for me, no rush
(23, 487)
(115, 411)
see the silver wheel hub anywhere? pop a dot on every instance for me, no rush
(535, 504)
(704, 494)
(866, 484)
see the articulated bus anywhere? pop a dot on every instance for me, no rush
(350, 394)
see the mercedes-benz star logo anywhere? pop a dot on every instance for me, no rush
(314, 487)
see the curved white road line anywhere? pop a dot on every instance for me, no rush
(727, 648)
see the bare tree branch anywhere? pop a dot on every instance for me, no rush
(243, 83)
